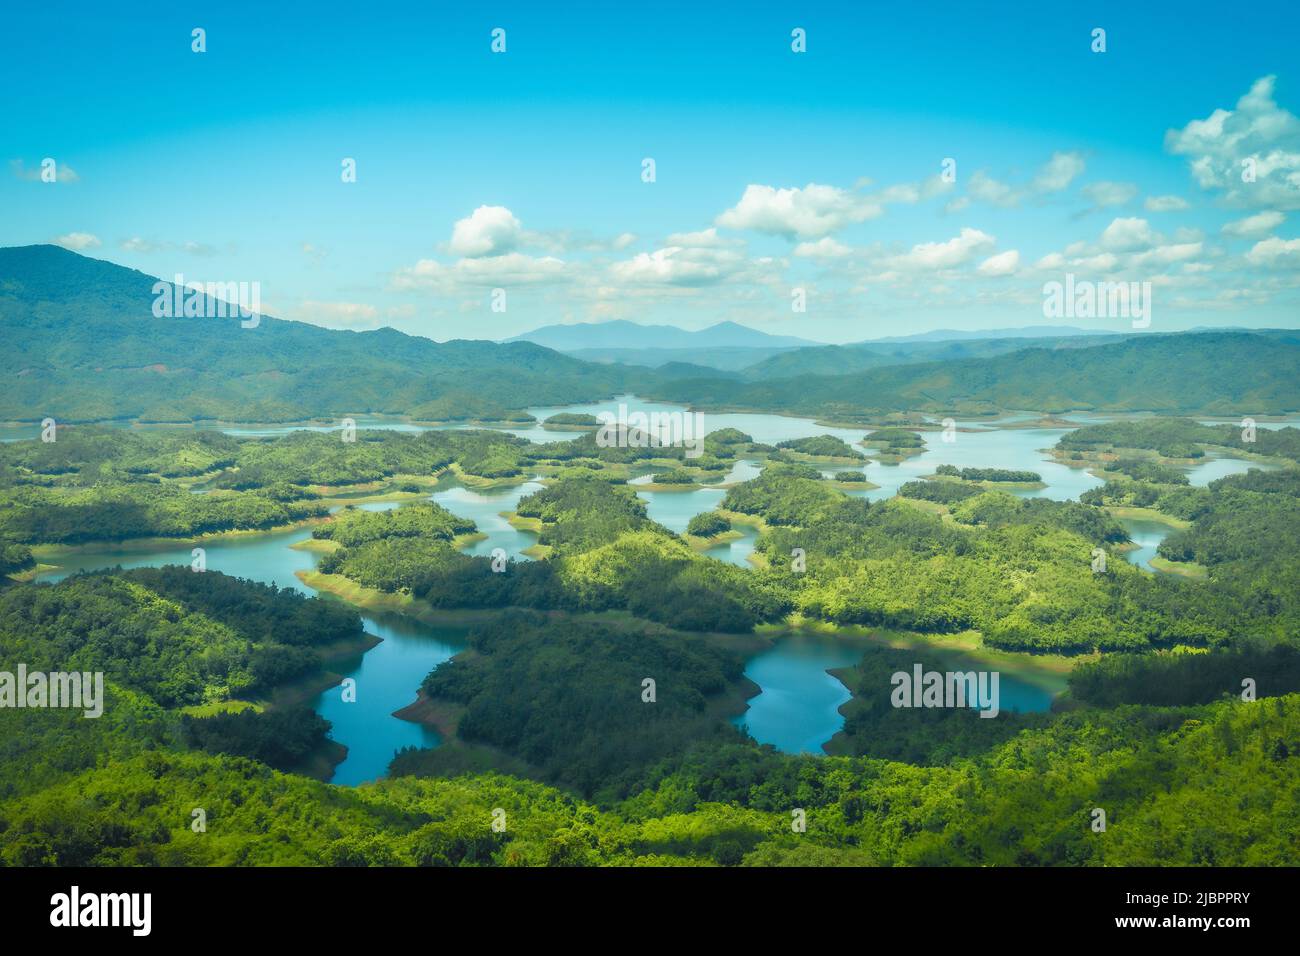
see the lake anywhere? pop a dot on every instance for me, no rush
(798, 707)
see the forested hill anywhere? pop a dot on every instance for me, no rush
(82, 343)
(1208, 373)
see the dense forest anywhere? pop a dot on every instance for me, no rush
(1154, 740)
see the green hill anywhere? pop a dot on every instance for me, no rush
(82, 343)
(1206, 373)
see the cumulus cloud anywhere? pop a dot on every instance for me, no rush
(487, 231)
(1167, 254)
(78, 241)
(681, 266)
(1102, 262)
(1054, 176)
(704, 238)
(944, 255)
(1058, 173)
(1002, 264)
(1258, 130)
(808, 213)
(340, 315)
(824, 248)
(1274, 252)
(1127, 233)
(1256, 225)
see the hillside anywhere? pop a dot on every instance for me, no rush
(843, 359)
(1209, 373)
(721, 359)
(82, 343)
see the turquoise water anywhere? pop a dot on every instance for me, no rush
(263, 557)
(386, 678)
(1214, 468)
(1147, 535)
(675, 509)
(798, 709)
(484, 508)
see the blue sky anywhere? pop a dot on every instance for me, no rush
(775, 170)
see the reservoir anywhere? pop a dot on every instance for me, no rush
(798, 709)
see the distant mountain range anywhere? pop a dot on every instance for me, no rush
(82, 344)
(731, 347)
(621, 334)
(1206, 373)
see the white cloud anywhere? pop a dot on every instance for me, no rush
(680, 266)
(985, 188)
(1258, 130)
(1105, 193)
(909, 193)
(825, 248)
(807, 213)
(1058, 173)
(1165, 203)
(513, 268)
(1256, 225)
(1055, 175)
(1275, 252)
(1002, 264)
(340, 315)
(944, 255)
(1104, 262)
(1127, 233)
(1166, 254)
(487, 231)
(704, 238)
(78, 241)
